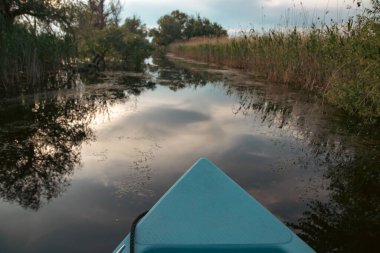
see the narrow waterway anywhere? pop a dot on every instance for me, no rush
(76, 166)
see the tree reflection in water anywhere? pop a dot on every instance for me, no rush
(350, 220)
(40, 146)
(177, 75)
(40, 140)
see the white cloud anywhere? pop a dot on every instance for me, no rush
(169, 4)
(310, 4)
(240, 13)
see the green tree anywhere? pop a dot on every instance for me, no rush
(136, 47)
(179, 26)
(198, 27)
(47, 11)
(113, 43)
(96, 29)
(170, 28)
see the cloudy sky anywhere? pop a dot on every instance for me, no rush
(243, 14)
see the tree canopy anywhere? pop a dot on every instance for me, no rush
(99, 36)
(180, 26)
(46, 11)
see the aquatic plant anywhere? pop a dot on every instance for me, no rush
(339, 61)
(35, 42)
(29, 61)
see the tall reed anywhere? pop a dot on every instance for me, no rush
(30, 60)
(340, 61)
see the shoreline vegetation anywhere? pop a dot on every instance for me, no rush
(46, 45)
(341, 62)
(49, 44)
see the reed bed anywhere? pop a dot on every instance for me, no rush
(30, 60)
(340, 62)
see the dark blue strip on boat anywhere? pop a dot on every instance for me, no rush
(206, 211)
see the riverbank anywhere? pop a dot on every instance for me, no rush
(342, 63)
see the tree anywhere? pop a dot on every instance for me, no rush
(179, 26)
(43, 10)
(103, 14)
(97, 9)
(115, 10)
(127, 43)
(171, 28)
(136, 48)
(197, 27)
(96, 44)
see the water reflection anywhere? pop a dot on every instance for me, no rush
(41, 138)
(177, 75)
(40, 148)
(350, 220)
(347, 220)
(121, 142)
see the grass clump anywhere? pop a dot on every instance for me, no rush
(29, 60)
(339, 61)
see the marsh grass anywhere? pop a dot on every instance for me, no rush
(339, 61)
(30, 60)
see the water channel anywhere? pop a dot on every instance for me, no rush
(77, 165)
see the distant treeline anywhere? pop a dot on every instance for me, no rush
(340, 61)
(44, 44)
(178, 26)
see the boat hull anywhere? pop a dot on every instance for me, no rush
(206, 211)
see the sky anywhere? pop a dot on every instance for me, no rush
(245, 14)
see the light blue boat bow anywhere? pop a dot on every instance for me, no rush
(206, 211)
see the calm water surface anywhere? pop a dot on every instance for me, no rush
(77, 166)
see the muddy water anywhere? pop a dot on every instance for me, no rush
(76, 166)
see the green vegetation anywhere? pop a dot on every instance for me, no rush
(340, 61)
(179, 26)
(34, 43)
(40, 38)
(101, 39)
(44, 43)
